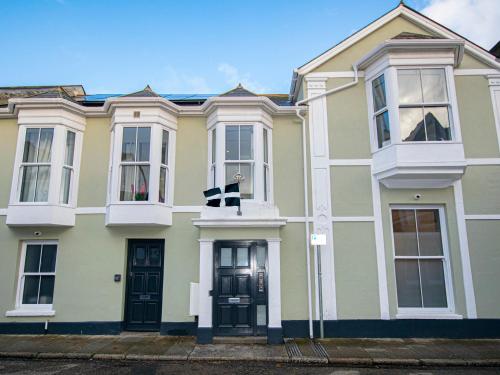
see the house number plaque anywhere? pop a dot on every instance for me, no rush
(261, 282)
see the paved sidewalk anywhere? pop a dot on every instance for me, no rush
(346, 352)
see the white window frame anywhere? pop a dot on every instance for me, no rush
(154, 163)
(390, 73)
(32, 309)
(427, 312)
(56, 166)
(258, 159)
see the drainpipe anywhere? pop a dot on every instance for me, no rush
(306, 193)
(306, 209)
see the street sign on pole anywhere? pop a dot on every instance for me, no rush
(318, 239)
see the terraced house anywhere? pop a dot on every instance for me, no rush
(388, 144)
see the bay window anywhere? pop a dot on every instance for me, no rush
(45, 175)
(141, 179)
(241, 149)
(411, 105)
(421, 260)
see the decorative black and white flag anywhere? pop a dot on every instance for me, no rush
(232, 195)
(213, 197)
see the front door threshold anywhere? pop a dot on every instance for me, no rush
(240, 340)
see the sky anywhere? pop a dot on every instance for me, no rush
(196, 46)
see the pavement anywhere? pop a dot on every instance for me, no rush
(339, 352)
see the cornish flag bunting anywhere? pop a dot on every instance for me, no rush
(213, 197)
(231, 196)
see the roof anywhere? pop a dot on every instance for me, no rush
(402, 9)
(75, 92)
(407, 35)
(238, 91)
(495, 51)
(146, 92)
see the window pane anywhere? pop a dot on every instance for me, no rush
(231, 171)
(261, 315)
(128, 144)
(142, 192)
(429, 232)
(266, 151)
(65, 185)
(378, 89)
(28, 184)
(45, 145)
(46, 289)
(155, 256)
(214, 145)
(410, 89)
(266, 184)
(246, 142)
(163, 178)
(383, 130)
(437, 124)
(164, 148)
(434, 85)
(242, 257)
(127, 186)
(31, 144)
(32, 258)
(261, 256)
(30, 292)
(48, 258)
(70, 148)
(433, 285)
(143, 138)
(246, 186)
(411, 121)
(42, 184)
(405, 234)
(140, 256)
(232, 150)
(226, 259)
(408, 283)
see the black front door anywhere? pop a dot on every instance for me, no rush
(240, 288)
(144, 285)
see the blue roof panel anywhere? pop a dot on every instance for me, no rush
(173, 97)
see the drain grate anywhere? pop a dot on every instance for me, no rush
(292, 349)
(318, 349)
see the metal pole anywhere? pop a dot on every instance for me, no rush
(320, 297)
(239, 205)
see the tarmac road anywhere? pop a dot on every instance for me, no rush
(66, 367)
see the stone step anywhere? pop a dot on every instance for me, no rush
(240, 340)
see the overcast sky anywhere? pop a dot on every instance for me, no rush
(118, 46)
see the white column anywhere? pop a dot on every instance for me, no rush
(494, 83)
(470, 299)
(321, 197)
(206, 281)
(380, 250)
(274, 277)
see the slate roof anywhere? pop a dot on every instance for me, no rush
(238, 91)
(407, 35)
(57, 93)
(495, 51)
(146, 92)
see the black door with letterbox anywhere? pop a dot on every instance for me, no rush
(240, 288)
(144, 285)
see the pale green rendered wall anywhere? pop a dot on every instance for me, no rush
(9, 130)
(351, 191)
(484, 248)
(442, 197)
(481, 186)
(477, 121)
(356, 271)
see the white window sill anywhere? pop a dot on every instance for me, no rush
(24, 312)
(426, 315)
